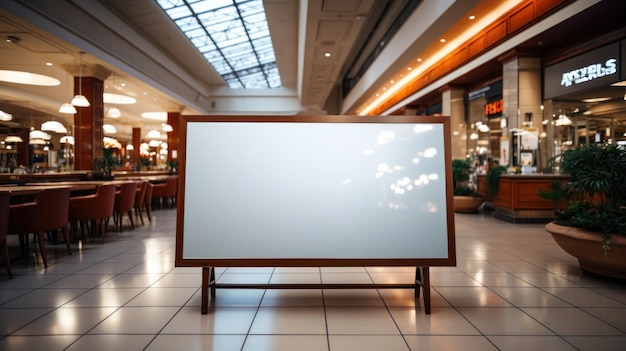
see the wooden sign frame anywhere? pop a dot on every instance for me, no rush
(205, 151)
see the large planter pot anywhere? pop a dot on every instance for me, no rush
(587, 248)
(467, 204)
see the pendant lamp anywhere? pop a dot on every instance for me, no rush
(80, 100)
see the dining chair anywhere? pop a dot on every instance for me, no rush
(140, 195)
(94, 209)
(166, 192)
(124, 204)
(49, 212)
(147, 201)
(5, 200)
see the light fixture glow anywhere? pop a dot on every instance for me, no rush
(598, 99)
(38, 134)
(154, 134)
(5, 117)
(167, 127)
(13, 139)
(53, 126)
(67, 108)
(109, 129)
(80, 101)
(111, 98)
(114, 112)
(28, 78)
(68, 139)
(160, 116)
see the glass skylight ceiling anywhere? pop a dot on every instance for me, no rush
(233, 36)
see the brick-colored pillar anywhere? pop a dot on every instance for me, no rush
(88, 123)
(172, 137)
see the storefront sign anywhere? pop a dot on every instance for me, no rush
(494, 108)
(593, 69)
(588, 73)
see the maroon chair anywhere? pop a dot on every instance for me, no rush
(95, 209)
(140, 195)
(147, 201)
(5, 200)
(124, 203)
(166, 191)
(49, 211)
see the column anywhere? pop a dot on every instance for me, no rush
(136, 143)
(172, 137)
(88, 121)
(521, 95)
(452, 105)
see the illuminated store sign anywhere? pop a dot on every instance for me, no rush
(596, 68)
(494, 108)
(593, 71)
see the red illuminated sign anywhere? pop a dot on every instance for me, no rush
(494, 108)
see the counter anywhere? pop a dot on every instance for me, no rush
(517, 199)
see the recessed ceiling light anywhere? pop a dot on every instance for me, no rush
(598, 99)
(28, 78)
(110, 98)
(442, 40)
(327, 54)
(472, 17)
(419, 59)
(160, 116)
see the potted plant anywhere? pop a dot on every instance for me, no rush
(592, 225)
(108, 162)
(466, 198)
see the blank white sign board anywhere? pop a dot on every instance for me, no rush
(344, 188)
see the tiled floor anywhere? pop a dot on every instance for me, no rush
(512, 289)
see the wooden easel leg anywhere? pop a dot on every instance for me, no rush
(422, 280)
(426, 288)
(205, 289)
(212, 282)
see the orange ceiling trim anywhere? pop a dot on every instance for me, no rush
(522, 16)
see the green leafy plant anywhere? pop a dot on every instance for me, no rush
(109, 160)
(461, 171)
(492, 179)
(597, 189)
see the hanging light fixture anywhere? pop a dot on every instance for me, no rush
(67, 107)
(109, 129)
(5, 117)
(154, 134)
(80, 100)
(13, 139)
(114, 112)
(53, 126)
(68, 139)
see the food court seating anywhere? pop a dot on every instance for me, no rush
(166, 192)
(124, 203)
(49, 211)
(140, 195)
(147, 201)
(5, 199)
(95, 209)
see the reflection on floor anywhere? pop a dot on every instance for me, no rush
(513, 289)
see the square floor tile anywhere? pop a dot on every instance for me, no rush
(360, 320)
(111, 342)
(67, 320)
(136, 320)
(571, 321)
(441, 321)
(286, 343)
(367, 343)
(220, 320)
(289, 320)
(449, 342)
(503, 321)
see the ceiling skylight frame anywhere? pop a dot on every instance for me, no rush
(232, 35)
